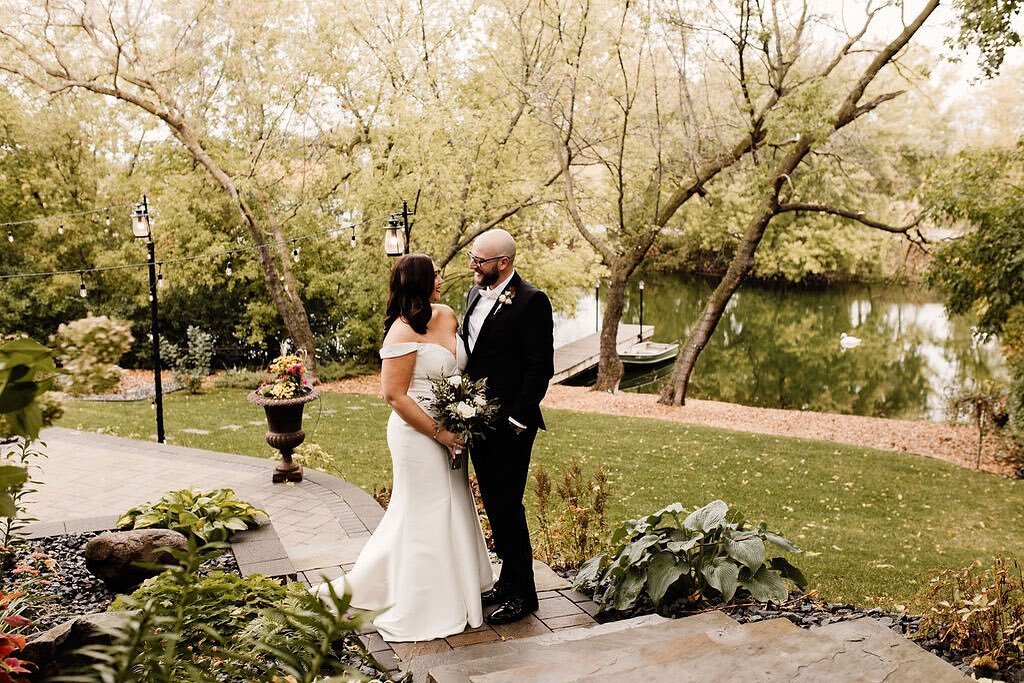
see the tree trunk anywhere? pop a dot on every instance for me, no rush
(609, 367)
(277, 274)
(674, 392)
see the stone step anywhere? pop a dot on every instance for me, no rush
(419, 666)
(854, 651)
(666, 644)
(555, 656)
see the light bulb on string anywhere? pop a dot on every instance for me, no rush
(10, 235)
(160, 276)
(82, 291)
(60, 229)
(227, 271)
(106, 220)
(295, 251)
(353, 240)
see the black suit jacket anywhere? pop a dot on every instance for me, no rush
(515, 351)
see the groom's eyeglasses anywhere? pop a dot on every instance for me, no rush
(477, 261)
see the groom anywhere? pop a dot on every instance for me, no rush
(508, 331)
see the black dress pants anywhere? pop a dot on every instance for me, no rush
(502, 463)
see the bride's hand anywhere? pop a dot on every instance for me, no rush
(451, 441)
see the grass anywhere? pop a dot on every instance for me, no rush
(875, 525)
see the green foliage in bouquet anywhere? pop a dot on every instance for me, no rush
(288, 379)
(207, 516)
(460, 405)
(705, 557)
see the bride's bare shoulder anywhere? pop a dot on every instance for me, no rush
(400, 332)
(442, 309)
(443, 312)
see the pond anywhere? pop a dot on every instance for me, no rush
(778, 347)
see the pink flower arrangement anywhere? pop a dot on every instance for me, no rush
(287, 381)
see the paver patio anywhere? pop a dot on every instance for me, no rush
(89, 479)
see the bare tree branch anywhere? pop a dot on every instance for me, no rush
(859, 216)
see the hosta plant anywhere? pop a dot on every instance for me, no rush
(204, 515)
(705, 557)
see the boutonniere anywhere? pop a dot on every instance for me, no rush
(505, 298)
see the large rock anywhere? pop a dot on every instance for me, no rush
(54, 651)
(111, 557)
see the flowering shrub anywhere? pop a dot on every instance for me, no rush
(89, 349)
(288, 380)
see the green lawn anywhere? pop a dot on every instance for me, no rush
(875, 525)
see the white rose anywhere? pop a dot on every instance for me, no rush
(464, 410)
(480, 401)
(455, 380)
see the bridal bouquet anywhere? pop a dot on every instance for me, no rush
(461, 406)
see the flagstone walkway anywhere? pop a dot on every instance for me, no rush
(88, 480)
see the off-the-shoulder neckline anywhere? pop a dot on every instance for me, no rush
(440, 346)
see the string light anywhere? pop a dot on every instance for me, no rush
(183, 259)
(82, 291)
(10, 235)
(58, 216)
(160, 275)
(106, 220)
(227, 271)
(60, 229)
(353, 241)
(295, 251)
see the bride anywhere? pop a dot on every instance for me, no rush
(426, 562)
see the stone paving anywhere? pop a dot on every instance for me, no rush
(89, 479)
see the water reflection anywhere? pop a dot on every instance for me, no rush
(779, 347)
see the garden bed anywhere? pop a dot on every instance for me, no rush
(57, 576)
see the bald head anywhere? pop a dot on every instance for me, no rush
(496, 242)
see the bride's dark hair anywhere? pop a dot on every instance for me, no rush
(409, 291)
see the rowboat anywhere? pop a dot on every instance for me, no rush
(648, 353)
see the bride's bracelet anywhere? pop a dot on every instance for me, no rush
(437, 430)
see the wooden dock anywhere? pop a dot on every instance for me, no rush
(573, 358)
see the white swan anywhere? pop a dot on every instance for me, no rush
(847, 342)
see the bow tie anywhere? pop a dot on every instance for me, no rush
(490, 294)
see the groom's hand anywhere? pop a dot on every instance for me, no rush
(516, 427)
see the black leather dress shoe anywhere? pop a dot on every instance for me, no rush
(513, 609)
(492, 597)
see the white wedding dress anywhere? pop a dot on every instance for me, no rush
(427, 562)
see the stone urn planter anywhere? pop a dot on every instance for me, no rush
(284, 430)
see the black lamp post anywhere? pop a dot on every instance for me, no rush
(141, 229)
(641, 335)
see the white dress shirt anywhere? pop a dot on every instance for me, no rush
(483, 308)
